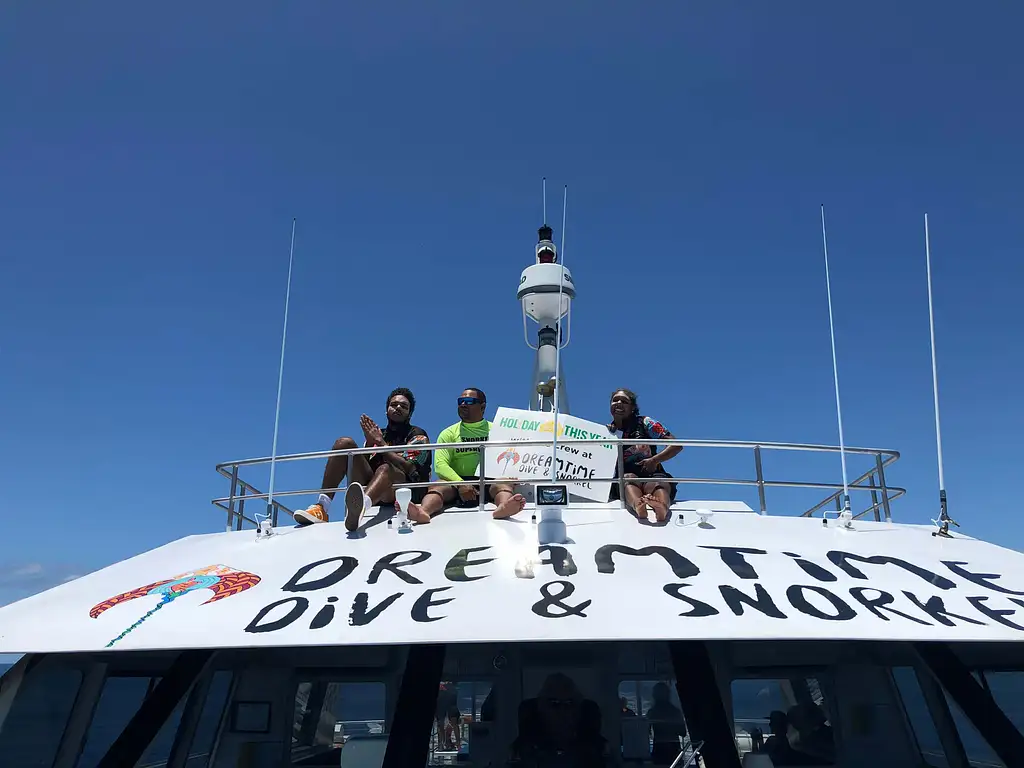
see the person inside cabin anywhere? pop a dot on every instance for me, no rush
(447, 718)
(813, 733)
(777, 746)
(460, 465)
(668, 728)
(560, 729)
(378, 472)
(642, 462)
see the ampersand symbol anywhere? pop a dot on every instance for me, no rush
(552, 600)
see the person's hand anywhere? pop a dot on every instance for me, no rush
(370, 429)
(467, 492)
(648, 465)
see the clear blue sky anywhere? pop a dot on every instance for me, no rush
(151, 160)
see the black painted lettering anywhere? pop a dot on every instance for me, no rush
(387, 563)
(299, 606)
(981, 579)
(558, 558)
(878, 604)
(345, 567)
(813, 570)
(361, 614)
(843, 559)
(455, 570)
(325, 615)
(733, 557)
(935, 608)
(546, 605)
(762, 601)
(698, 608)
(798, 600)
(681, 566)
(996, 614)
(425, 602)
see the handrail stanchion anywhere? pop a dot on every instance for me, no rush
(760, 479)
(621, 463)
(241, 507)
(231, 496)
(482, 450)
(880, 466)
(874, 497)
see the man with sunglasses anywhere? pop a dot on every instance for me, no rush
(379, 472)
(461, 465)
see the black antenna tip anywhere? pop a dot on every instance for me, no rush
(544, 233)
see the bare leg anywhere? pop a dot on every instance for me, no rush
(656, 495)
(507, 501)
(381, 488)
(338, 466)
(635, 497)
(433, 502)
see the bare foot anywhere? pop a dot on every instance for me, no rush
(416, 513)
(660, 508)
(509, 507)
(640, 510)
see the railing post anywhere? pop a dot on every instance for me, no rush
(273, 515)
(482, 450)
(885, 492)
(231, 496)
(240, 517)
(760, 479)
(874, 497)
(622, 476)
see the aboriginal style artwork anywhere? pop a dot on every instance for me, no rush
(219, 579)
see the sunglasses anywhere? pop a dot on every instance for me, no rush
(470, 401)
(560, 703)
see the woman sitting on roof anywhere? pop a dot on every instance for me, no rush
(642, 462)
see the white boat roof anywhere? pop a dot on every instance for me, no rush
(462, 579)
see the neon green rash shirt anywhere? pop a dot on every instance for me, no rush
(454, 464)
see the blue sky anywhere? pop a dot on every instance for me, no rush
(152, 160)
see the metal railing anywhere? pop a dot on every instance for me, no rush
(871, 481)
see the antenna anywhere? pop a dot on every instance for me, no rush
(835, 375)
(944, 519)
(558, 342)
(280, 374)
(544, 197)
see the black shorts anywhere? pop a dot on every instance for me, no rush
(473, 480)
(640, 476)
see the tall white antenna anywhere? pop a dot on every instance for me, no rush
(558, 342)
(835, 372)
(544, 197)
(944, 519)
(280, 374)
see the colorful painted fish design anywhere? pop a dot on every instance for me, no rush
(222, 580)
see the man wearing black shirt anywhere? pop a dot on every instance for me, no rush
(379, 472)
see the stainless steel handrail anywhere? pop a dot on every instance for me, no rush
(882, 494)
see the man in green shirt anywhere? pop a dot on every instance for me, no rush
(459, 465)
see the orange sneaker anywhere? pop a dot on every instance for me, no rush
(315, 513)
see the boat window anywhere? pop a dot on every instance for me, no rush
(785, 717)
(333, 715)
(209, 720)
(31, 733)
(651, 721)
(1007, 688)
(979, 753)
(119, 700)
(460, 703)
(919, 716)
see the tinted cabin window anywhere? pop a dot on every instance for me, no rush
(919, 717)
(32, 730)
(209, 721)
(332, 715)
(787, 718)
(651, 721)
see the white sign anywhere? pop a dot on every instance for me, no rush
(579, 462)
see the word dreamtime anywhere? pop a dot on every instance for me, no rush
(817, 595)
